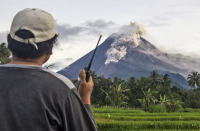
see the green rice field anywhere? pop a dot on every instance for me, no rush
(119, 119)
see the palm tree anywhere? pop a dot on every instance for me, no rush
(194, 79)
(155, 80)
(166, 84)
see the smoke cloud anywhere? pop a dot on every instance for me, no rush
(128, 34)
(131, 28)
(134, 30)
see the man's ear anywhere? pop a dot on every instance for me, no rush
(51, 49)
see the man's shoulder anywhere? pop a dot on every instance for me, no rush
(42, 75)
(61, 78)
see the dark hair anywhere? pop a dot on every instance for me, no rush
(25, 51)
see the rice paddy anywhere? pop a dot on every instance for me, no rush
(122, 119)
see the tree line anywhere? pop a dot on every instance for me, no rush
(155, 92)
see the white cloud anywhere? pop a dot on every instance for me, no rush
(3, 36)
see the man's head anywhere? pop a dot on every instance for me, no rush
(32, 35)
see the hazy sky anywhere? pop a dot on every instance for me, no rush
(172, 25)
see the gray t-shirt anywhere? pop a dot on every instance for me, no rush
(35, 99)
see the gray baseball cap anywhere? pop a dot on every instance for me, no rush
(37, 21)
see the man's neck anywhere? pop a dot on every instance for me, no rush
(16, 60)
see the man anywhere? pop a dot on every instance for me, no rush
(31, 97)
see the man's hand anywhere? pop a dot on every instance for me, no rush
(85, 88)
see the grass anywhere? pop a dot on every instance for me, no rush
(121, 119)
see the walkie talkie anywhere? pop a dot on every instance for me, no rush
(87, 69)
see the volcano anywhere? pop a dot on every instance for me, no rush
(130, 54)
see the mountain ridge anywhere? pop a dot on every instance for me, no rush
(137, 62)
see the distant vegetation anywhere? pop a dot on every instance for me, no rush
(4, 54)
(153, 94)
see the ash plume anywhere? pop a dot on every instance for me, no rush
(134, 31)
(127, 34)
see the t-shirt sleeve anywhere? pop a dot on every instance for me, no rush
(89, 109)
(79, 116)
(75, 115)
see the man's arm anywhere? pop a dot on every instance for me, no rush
(85, 90)
(79, 112)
